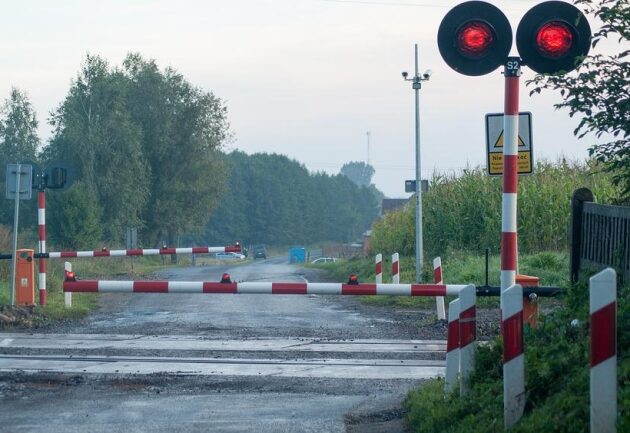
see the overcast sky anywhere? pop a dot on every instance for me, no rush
(304, 78)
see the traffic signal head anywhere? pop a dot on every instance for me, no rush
(552, 37)
(474, 38)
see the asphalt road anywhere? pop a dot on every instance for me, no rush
(220, 362)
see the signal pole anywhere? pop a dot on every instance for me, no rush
(416, 86)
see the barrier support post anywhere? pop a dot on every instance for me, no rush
(452, 347)
(467, 335)
(438, 279)
(395, 268)
(603, 327)
(67, 296)
(378, 269)
(513, 355)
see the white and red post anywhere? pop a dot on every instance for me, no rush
(438, 279)
(513, 356)
(41, 221)
(603, 327)
(467, 335)
(511, 307)
(452, 347)
(395, 269)
(378, 269)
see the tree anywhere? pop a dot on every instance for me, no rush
(18, 142)
(600, 91)
(358, 172)
(94, 132)
(183, 129)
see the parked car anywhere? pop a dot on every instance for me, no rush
(260, 252)
(322, 260)
(229, 256)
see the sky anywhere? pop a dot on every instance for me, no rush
(303, 78)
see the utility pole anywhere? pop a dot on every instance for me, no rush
(368, 147)
(416, 86)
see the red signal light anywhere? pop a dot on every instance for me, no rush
(554, 39)
(475, 39)
(70, 276)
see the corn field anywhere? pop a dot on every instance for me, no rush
(463, 212)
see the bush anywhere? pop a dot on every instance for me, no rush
(556, 374)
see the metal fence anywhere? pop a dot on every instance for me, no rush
(601, 235)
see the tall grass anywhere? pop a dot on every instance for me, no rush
(464, 211)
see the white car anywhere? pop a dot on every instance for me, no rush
(324, 260)
(229, 256)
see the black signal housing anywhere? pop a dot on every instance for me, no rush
(474, 38)
(552, 37)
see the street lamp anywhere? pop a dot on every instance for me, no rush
(416, 81)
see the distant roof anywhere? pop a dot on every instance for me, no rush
(392, 204)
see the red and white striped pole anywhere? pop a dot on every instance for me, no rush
(144, 252)
(71, 284)
(509, 248)
(511, 308)
(603, 327)
(513, 356)
(395, 269)
(378, 269)
(452, 347)
(437, 279)
(41, 221)
(467, 335)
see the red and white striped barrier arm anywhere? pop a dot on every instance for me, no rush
(513, 356)
(509, 249)
(437, 279)
(467, 335)
(145, 252)
(41, 222)
(452, 347)
(603, 327)
(395, 269)
(288, 288)
(378, 269)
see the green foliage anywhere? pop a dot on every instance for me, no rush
(145, 143)
(271, 199)
(464, 212)
(74, 219)
(557, 378)
(598, 92)
(358, 172)
(18, 143)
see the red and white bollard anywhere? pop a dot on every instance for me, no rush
(467, 335)
(378, 269)
(41, 221)
(437, 279)
(395, 269)
(452, 347)
(513, 355)
(67, 296)
(603, 327)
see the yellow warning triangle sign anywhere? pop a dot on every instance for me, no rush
(499, 142)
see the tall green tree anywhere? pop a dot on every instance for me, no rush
(358, 172)
(183, 129)
(599, 93)
(94, 131)
(271, 199)
(18, 143)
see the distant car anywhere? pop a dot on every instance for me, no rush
(260, 252)
(322, 260)
(229, 256)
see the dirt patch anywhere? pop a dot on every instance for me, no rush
(20, 317)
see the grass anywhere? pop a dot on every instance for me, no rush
(458, 268)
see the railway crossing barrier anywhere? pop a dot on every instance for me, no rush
(465, 335)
